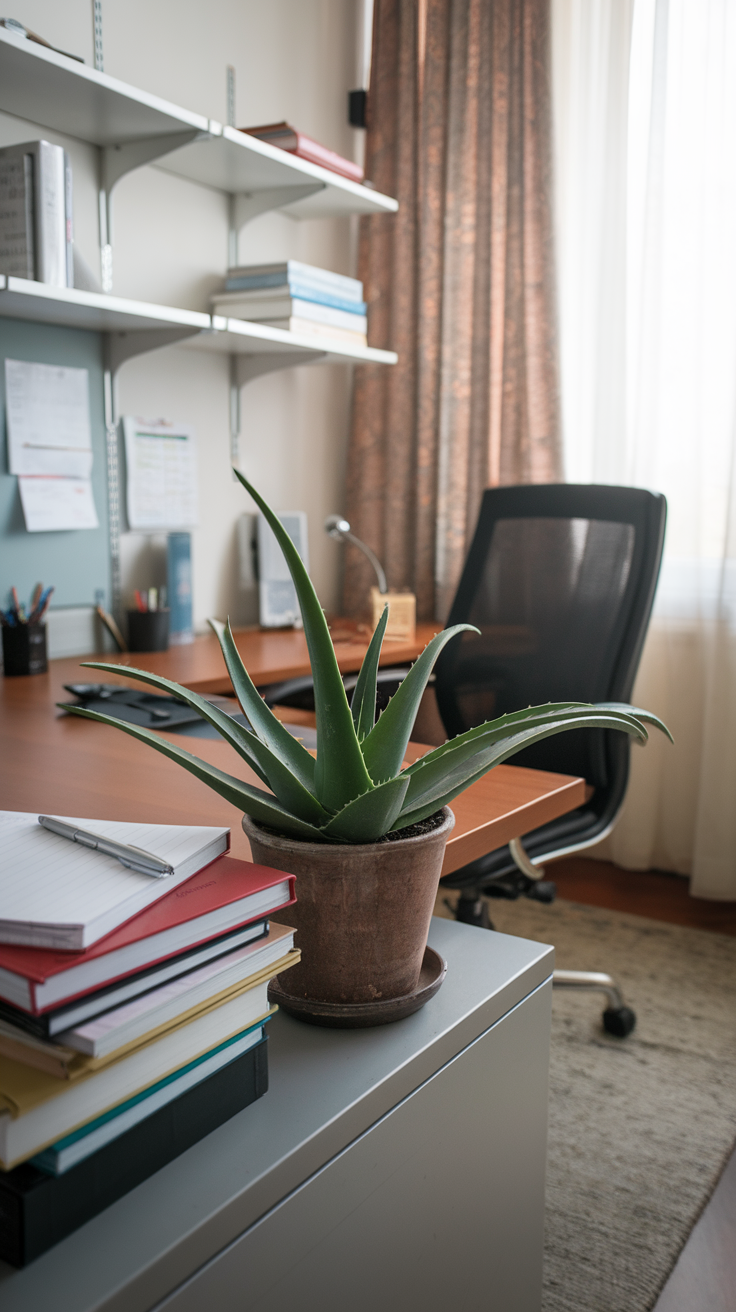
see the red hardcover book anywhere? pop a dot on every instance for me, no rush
(224, 896)
(287, 138)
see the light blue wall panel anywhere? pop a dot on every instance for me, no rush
(76, 562)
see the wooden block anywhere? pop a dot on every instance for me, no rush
(402, 613)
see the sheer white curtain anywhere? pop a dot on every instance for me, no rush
(645, 141)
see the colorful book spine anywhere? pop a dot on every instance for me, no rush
(301, 290)
(181, 629)
(269, 311)
(278, 275)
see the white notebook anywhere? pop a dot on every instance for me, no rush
(56, 894)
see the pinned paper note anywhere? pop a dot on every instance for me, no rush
(52, 503)
(48, 419)
(161, 466)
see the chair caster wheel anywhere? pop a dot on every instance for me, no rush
(543, 890)
(470, 913)
(619, 1021)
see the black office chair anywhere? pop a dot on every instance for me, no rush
(560, 580)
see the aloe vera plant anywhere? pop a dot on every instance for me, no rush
(356, 790)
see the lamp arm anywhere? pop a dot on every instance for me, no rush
(373, 558)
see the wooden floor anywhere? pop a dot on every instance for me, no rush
(650, 893)
(704, 1278)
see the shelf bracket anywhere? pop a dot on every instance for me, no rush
(115, 162)
(120, 347)
(247, 205)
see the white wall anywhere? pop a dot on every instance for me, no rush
(294, 60)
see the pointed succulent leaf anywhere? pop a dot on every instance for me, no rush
(384, 748)
(274, 772)
(269, 729)
(340, 774)
(450, 754)
(364, 697)
(647, 717)
(370, 816)
(253, 801)
(233, 733)
(441, 786)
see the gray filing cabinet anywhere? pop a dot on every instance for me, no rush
(394, 1168)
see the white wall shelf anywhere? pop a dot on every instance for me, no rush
(134, 128)
(149, 326)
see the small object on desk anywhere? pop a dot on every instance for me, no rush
(150, 710)
(24, 638)
(112, 628)
(179, 588)
(148, 630)
(402, 611)
(135, 858)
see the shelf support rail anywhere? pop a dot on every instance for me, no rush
(119, 347)
(115, 162)
(244, 368)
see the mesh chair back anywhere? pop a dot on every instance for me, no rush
(560, 581)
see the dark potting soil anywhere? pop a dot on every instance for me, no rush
(411, 831)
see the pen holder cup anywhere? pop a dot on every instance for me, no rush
(24, 649)
(148, 630)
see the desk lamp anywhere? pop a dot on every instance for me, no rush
(402, 605)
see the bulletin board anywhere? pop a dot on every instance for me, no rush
(76, 562)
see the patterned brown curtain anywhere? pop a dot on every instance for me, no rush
(460, 283)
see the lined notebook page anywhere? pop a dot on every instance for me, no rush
(49, 880)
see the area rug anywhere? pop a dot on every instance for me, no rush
(640, 1128)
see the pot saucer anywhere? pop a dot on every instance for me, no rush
(361, 1015)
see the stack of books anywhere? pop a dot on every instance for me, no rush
(297, 143)
(117, 1056)
(297, 297)
(36, 236)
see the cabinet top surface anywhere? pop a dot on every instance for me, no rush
(326, 1088)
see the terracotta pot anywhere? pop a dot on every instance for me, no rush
(362, 911)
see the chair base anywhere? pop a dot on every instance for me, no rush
(618, 1020)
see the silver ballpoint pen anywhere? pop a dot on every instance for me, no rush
(144, 863)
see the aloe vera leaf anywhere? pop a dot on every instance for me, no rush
(469, 771)
(459, 749)
(235, 734)
(384, 748)
(647, 717)
(269, 729)
(511, 721)
(369, 817)
(340, 774)
(261, 806)
(266, 763)
(364, 697)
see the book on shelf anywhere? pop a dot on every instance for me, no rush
(38, 1109)
(293, 289)
(271, 309)
(291, 273)
(40, 1205)
(221, 908)
(297, 143)
(321, 332)
(107, 1029)
(36, 226)
(55, 893)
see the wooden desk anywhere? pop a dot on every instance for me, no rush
(269, 655)
(67, 766)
